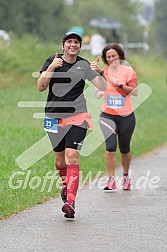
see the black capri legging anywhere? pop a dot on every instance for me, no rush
(116, 126)
(69, 137)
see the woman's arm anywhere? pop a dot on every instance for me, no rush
(100, 80)
(45, 77)
(130, 87)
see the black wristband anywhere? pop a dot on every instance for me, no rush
(101, 72)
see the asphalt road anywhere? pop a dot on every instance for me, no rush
(118, 221)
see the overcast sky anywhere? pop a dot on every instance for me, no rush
(147, 1)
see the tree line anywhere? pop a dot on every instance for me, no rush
(50, 20)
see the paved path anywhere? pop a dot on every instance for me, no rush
(117, 221)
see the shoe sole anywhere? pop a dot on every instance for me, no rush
(68, 210)
(108, 189)
(126, 188)
(69, 218)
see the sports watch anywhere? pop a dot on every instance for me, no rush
(120, 86)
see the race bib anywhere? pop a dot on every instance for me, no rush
(51, 125)
(115, 102)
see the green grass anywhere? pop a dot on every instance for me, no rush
(19, 130)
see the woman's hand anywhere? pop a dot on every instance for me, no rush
(57, 62)
(99, 93)
(115, 82)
